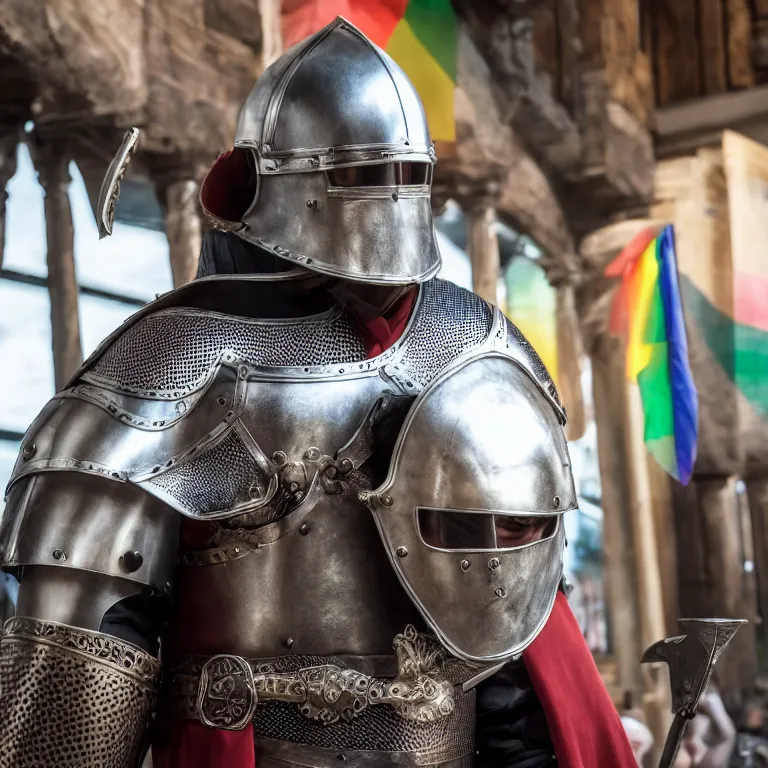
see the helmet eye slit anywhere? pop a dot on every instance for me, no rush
(380, 175)
(462, 531)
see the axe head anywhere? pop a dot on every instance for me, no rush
(691, 657)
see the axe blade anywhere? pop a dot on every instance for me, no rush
(690, 659)
(110, 187)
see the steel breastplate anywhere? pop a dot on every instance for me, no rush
(256, 430)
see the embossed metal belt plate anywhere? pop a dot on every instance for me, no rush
(226, 696)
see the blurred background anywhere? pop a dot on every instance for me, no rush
(563, 128)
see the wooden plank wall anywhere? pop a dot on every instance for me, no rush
(705, 47)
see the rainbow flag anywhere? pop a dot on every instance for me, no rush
(648, 312)
(420, 35)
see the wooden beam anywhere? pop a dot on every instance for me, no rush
(677, 52)
(714, 112)
(713, 51)
(740, 72)
(546, 43)
(590, 33)
(571, 91)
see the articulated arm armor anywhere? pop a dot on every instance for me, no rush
(75, 689)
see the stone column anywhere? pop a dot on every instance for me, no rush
(51, 159)
(633, 568)
(178, 190)
(757, 496)
(271, 31)
(8, 146)
(711, 574)
(619, 571)
(483, 247)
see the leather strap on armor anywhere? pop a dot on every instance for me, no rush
(72, 698)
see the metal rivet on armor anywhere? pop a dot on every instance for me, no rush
(311, 203)
(409, 383)
(131, 561)
(221, 401)
(341, 757)
(309, 261)
(465, 565)
(499, 592)
(386, 500)
(314, 161)
(279, 457)
(288, 642)
(494, 563)
(395, 196)
(304, 530)
(30, 449)
(401, 552)
(254, 491)
(58, 554)
(556, 501)
(345, 465)
(312, 454)
(299, 495)
(236, 550)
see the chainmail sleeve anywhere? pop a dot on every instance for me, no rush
(72, 698)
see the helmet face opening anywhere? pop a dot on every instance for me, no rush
(230, 188)
(381, 175)
(456, 530)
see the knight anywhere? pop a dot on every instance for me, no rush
(307, 509)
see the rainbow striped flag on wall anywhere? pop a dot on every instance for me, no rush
(420, 35)
(647, 311)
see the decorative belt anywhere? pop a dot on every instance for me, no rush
(227, 690)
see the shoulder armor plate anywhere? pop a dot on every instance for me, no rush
(482, 441)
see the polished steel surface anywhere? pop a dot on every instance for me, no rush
(335, 97)
(110, 187)
(198, 417)
(337, 100)
(68, 596)
(73, 699)
(482, 438)
(371, 238)
(99, 526)
(324, 586)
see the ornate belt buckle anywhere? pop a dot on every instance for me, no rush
(226, 696)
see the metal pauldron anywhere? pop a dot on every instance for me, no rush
(72, 698)
(229, 688)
